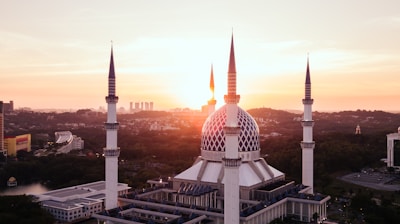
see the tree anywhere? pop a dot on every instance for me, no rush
(22, 209)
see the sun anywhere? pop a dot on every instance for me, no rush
(194, 93)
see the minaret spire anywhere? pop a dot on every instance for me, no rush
(212, 81)
(111, 75)
(308, 144)
(212, 101)
(231, 97)
(231, 158)
(232, 63)
(308, 81)
(111, 151)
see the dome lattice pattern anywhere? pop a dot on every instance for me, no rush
(213, 138)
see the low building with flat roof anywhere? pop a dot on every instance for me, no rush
(77, 203)
(14, 144)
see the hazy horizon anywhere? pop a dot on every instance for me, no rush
(126, 109)
(56, 54)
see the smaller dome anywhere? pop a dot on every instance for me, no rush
(12, 179)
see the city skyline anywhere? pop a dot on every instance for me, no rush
(55, 54)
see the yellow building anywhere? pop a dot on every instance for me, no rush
(13, 144)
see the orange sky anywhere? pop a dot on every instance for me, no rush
(55, 54)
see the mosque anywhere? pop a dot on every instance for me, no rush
(228, 183)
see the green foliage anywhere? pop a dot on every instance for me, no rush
(373, 213)
(21, 209)
(55, 171)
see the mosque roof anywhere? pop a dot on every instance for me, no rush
(250, 173)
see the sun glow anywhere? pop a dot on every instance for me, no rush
(164, 54)
(181, 69)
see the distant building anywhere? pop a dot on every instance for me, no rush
(69, 141)
(142, 106)
(2, 129)
(12, 182)
(161, 127)
(14, 144)
(393, 149)
(8, 107)
(358, 130)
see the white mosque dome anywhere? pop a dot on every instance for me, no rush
(213, 137)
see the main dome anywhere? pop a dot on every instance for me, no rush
(213, 137)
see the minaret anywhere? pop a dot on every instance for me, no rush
(212, 101)
(307, 145)
(111, 151)
(231, 160)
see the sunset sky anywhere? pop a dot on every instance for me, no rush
(55, 54)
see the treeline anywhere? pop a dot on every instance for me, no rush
(21, 209)
(333, 153)
(143, 156)
(54, 171)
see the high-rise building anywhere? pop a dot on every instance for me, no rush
(8, 107)
(130, 107)
(2, 129)
(111, 151)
